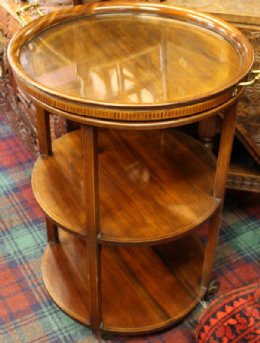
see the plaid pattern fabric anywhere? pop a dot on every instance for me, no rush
(27, 314)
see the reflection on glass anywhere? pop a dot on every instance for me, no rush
(128, 59)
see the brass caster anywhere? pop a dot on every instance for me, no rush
(212, 289)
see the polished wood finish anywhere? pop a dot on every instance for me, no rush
(199, 69)
(227, 134)
(43, 128)
(126, 182)
(134, 168)
(89, 142)
(143, 289)
(245, 15)
(45, 148)
(21, 111)
(52, 231)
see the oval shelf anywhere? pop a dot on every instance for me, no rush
(132, 299)
(154, 186)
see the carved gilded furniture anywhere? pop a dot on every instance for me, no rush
(126, 195)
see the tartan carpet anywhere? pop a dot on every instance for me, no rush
(27, 314)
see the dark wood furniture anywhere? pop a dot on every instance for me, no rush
(19, 109)
(126, 194)
(244, 173)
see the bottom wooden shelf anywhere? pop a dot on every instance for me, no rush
(144, 289)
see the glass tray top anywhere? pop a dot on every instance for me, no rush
(134, 57)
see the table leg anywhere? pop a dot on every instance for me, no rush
(91, 200)
(225, 148)
(209, 254)
(227, 136)
(207, 131)
(52, 231)
(44, 132)
(45, 148)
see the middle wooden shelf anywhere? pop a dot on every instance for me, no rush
(154, 186)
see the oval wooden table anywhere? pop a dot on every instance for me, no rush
(126, 194)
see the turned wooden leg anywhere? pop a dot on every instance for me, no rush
(90, 183)
(207, 131)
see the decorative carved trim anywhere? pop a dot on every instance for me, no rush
(248, 119)
(18, 108)
(250, 182)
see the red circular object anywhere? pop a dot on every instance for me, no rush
(233, 317)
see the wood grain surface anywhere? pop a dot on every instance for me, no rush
(153, 185)
(115, 56)
(143, 289)
(117, 195)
